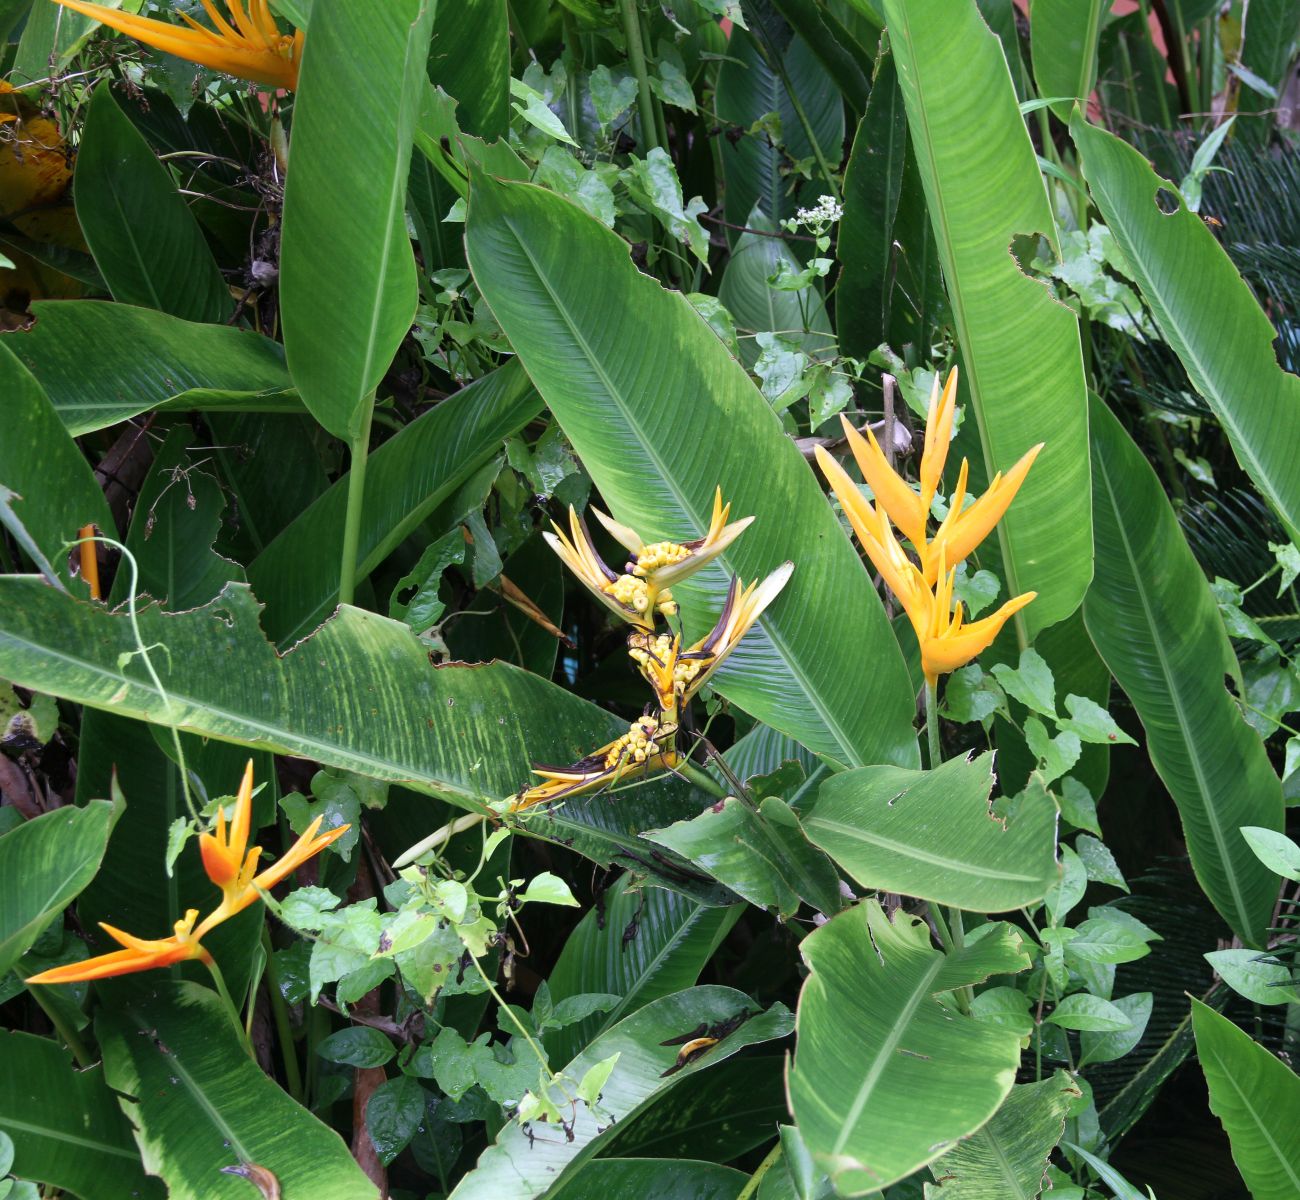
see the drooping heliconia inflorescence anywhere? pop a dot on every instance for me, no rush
(640, 595)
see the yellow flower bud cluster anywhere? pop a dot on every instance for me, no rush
(636, 745)
(660, 554)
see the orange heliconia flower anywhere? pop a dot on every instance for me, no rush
(230, 865)
(962, 530)
(253, 48)
(925, 592)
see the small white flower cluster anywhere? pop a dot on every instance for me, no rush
(826, 211)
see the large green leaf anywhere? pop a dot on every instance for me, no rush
(103, 363)
(145, 240)
(1020, 347)
(55, 493)
(932, 834)
(873, 181)
(730, 1110)
(66, 1126)
(520, 1167)
(398, 717)
(408, 476)
(44, 864)
(885, 1078)
(1205, 312)
(201, 1105)
(1257, 1097)
(661, 415)
(639, 944)
(664, 1179)
(749, 88)
(760, 853)
(844, 58)
(464, 733)
(1150, 613)
(1063, 36)
(469, 59)
(347, 274)
(1007, 1159)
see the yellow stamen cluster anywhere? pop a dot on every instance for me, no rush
(636, 745)
(926, 591)
(661, 554)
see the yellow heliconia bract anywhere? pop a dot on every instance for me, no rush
(639, 596)
(925, 591)
(231, 866)
(251, 48)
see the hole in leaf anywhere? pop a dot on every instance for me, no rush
(1167, 202)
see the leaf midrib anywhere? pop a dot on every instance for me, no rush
(981, 871)
(1175, 698)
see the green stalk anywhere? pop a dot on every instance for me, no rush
(360, 447)
(280, 1014)
(951, 931)
(636, 56)
(62, 1028)
(231, 1010)
(773, 1157)
(932, 722)
(701, 779)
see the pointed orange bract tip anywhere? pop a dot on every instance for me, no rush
(254, 50)
(938, 437)
(963, 531)
(892, 491)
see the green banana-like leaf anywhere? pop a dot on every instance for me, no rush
(54, 491)
(661, 415)
(1007, 1159)
(758, 307)
(1206, 313)
(44, 864)
(398, 718)
(640, 944)
(469, 58)
(520, 1167)
(146, 241)
(932, 834)
(1020, 347)
(1150, 614)
(885, 1078)
(359, 694)
(408, 476)
(731, 1110)
(103, 363)
(748, 89)
(666, 1179)
(873, 182)
(1063, 37)
(1257, 1098)
(842, 56)
(347, 274)
(66, 1126)
(760, 853)
(201, 1105)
